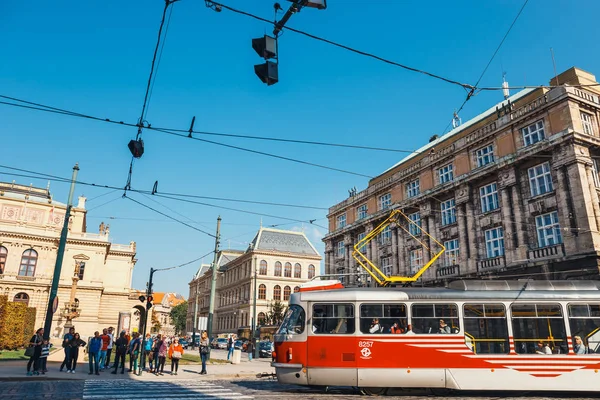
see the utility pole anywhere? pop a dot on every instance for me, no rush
(254, 319)
(59, 259)
(149, 299)
(213, 284)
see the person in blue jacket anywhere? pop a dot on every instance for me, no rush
(95, 345)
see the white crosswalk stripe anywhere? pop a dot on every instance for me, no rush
(123, 389)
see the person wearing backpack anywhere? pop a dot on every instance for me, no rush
(94, 346)
(121, 346)
(162, 357)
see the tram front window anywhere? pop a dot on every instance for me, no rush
(584, 320)
(294, 321)
(539, 329)
(333, 319)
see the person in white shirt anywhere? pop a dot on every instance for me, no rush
(409, 330)
(110, 346)
(543, 348)
(375, 328)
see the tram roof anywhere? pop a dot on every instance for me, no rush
(466, 290)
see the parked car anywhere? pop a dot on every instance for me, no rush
(184, 343)
(264, 350)
(219, 343)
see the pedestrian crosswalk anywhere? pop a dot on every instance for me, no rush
(123, 389)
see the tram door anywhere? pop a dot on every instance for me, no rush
(332, 345)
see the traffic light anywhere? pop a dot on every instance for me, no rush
(142, 298)
(136, 147)
(266, 47)
(149, 303)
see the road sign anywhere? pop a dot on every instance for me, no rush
(55, 305)
(202, 323)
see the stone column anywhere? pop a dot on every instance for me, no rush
(564, 210)
(463, 243)
(594, 194)
(518, 213)
(395, 264)
(507, 217)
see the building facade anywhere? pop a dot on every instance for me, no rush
(161, 312)
(275, 264)
(95, 281)
(512, 193)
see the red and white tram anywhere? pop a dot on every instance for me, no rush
(473, 335)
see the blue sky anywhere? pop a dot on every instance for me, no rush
(94, 58)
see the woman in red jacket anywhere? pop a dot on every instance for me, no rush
(175, 354)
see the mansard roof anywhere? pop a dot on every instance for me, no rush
(281, 241)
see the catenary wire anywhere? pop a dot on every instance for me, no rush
(186, 263)
(472, 91)
(61, 179)
(105, 203)
(168, 216)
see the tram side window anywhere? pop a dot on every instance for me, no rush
(539, 329)
(333, 319)
(584, 320)
(486, 329)
(435, 318)
(383, 318)
(294, 321)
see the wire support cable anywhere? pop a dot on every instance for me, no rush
(186, 263)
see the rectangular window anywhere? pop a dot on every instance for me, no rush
(416, 260)
(448, 209)
(414, 228)
(494, 242)
(412, 189)
(435, 318)
(341, 249)
(587, 122)
(385, 237)
(361, 211)
(486, 330)
(452, 252)
(383, 318)
(538, 328)
(385, 201)
(446, 174)
(596, 168)
(386, 265)
(584, 320)
(533, 133)
(540, 179)
(489, 197)
(340, 221)
(360, 237)
(81, 270)
(485, 155)
(333, 319)
(548, 229)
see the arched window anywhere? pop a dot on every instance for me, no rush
(3, 255)
(311, 271)
(297, 271)
(277, 292)
(22, 298)
(261, 318)
(288, 270)
(296, 289)
(263, 268)
(28, 263)
(277, 268)
(262, 292)
(286, 293)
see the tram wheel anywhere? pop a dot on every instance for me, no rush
(373, 391)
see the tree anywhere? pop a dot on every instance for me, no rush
(275, 314)
(156, 325)
(178, 316)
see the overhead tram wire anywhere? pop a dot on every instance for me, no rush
(147, 95)
(168, 216)
(342, 46)
(101, 186)
(186, 263)
(267, 154)
(471, 93)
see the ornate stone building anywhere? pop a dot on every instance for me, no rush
(511, 193)
(273, 266)
(163, 303)
(30, 225)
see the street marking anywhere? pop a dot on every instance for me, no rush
(172, 390)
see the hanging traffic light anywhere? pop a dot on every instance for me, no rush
(136, 147)
(266, 47)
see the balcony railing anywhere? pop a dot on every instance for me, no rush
(448, 270)
(491, 263)
(554, 251)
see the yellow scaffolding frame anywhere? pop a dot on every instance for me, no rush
(381, 278)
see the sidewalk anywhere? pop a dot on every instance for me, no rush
(16, 370)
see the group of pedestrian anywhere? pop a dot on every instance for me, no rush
(38, 351)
